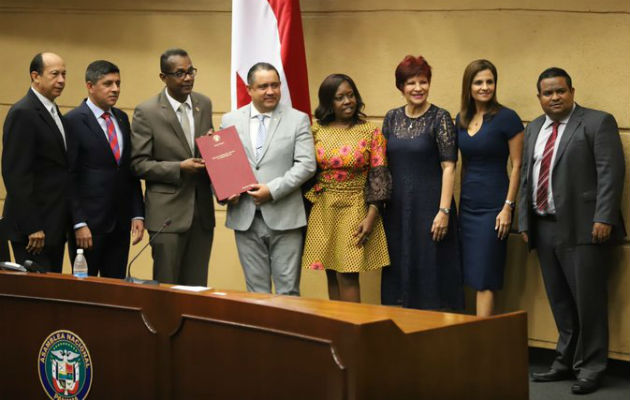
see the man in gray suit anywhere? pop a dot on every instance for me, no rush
(268, 219)
(569, 210)
(178, 198)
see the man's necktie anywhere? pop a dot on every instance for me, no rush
(542, 190)
(55, 115)
(261, 135)
(183, 112)
(112, 136)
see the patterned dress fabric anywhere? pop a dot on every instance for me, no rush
(484, 190)
(424, 274)
(352, 173)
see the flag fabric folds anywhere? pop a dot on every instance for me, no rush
(269, 31)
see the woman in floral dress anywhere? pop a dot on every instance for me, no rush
(345, 233)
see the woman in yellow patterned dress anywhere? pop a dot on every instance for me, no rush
(345, 233)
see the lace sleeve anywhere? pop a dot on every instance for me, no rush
(386, 131)
(379, 181)
(446, 137)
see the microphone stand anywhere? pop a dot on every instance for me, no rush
(130, 278)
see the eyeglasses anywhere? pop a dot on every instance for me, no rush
(180, 74)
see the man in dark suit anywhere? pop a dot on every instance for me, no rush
(569, 210)
(107, 198)
(165, 155)
(35, 168)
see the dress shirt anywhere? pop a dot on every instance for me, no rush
(51, 107)
(191, 119)
(539, 149)
(253, 125)
(98, 114)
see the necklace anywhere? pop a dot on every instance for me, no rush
(413, 118)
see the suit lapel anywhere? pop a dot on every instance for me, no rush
(197, 120)
(124, 132)
(45, 115)
(169, 115)
(273, 127)
(535, 125)
(243, 131)
(574, 122)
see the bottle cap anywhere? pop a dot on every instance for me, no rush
(79, 251)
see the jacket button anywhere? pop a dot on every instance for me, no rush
(257, 168)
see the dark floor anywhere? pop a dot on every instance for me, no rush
(615, 386)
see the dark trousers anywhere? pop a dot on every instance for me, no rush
(109, 254)
(576, 283)
(182, 258)
(50, 259)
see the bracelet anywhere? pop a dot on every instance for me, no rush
(373, 205)
(510, 203)
(446, 211)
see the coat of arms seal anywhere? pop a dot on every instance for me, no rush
(65, 366)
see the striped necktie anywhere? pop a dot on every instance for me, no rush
(542, 190)
(112, 137)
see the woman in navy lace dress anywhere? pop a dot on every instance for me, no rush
(420, 220)
(487, 134)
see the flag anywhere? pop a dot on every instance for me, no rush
(269, 31)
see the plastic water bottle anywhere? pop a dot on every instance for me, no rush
(80, 269)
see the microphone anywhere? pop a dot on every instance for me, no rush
(9, 266)
(29, 266)
(32, 266)
(130, 278)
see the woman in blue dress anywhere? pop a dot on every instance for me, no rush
(420, 220)
(487, 134)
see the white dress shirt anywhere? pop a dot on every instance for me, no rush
(52, 109)
(539, 149)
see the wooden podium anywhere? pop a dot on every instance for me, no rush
(150, 342)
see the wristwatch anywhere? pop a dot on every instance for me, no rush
(446, 211)
(510, 203)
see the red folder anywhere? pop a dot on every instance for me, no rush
(226, 162)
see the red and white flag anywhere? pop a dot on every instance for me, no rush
(269, 31)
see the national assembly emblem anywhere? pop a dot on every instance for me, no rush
(65, 366)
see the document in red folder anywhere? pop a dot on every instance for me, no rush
(226, 162)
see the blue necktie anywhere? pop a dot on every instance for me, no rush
(261, 135)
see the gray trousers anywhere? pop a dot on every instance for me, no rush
(576, 283)
(267, 254)
(182, 258)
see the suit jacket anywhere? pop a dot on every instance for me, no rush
(158, 145)
(587, 177)
(36, 172)
(286, 162)
(105, 193)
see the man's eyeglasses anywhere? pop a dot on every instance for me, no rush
(180, 74)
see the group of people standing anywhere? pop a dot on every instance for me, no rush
(380, 198)
(384, 198)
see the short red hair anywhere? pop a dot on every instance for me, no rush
(411, 66)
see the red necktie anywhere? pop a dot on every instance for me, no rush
(111, 135)
(542, 190)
